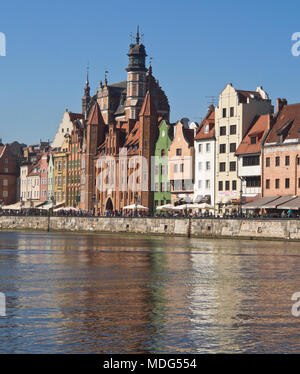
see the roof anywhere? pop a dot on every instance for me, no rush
(244, 95)
(257, 204)
(188, 135)
(291, 204)
(209, 120)
(278, 201)
(148, 108)
(75, 116)
(259, 128)
(96, 116)
(287, 124)
(2, 148)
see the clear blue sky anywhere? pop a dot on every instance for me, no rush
(197, 47)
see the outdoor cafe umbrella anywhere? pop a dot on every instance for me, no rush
(165, 207)
(204, 206)
(135, 206)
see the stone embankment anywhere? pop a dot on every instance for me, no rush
(214, 228)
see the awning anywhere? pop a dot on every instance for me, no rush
(292, 204)
(279, 200)
(257, 204)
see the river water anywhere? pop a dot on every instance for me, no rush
(104, 293)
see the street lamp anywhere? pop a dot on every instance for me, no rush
(241, 195)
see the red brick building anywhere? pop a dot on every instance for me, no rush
(281, 154)
(8, 176)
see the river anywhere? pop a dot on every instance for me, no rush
(105, 293)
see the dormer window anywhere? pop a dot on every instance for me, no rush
(253, 139)
(206, 129)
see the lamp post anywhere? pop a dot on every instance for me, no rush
(241, 196)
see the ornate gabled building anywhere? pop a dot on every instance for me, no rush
(122, 101)
(122, 115)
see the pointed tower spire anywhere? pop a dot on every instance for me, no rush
(138, 35)
(86, 96)
(148, 108)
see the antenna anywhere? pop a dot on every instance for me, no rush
(131, 37)
(211, 100)
(142, 37)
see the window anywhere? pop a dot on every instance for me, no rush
(253, 182)
(163, 169)
(207, 184)
(298, 182)
(224, 112)
(162, 186)
(222, 130)
(287, 182)
(156, 187)
(277, 161)
(5, 182)
(253, 139)
(181, 168)
(232, 129)
(232, 166)
(207, 147)
(175, 168)
(178, 152)
(232, 111)
(268, 162)
(227, 186)
(287, 160)
(222, 148)
(232, 147)
(233, 185)
(200, 148)
(222, 166)
(277, 183)
(207, 165)
(220, 186)
(199, 166)
(250, 160)
(206, 129)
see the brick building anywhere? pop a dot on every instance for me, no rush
(8, 176)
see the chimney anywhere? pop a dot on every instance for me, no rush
(280, 103)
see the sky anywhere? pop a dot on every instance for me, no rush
(197, 47)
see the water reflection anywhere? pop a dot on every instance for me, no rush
(82, 293)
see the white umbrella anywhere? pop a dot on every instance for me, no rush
(165, 207)
(204, 206)
(134, 206)
(180, 207)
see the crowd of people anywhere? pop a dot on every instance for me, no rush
(71, 212)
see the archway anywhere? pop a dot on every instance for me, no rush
(109, 205)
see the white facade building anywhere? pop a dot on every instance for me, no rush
(204, 145)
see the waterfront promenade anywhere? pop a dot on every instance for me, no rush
(254, 228)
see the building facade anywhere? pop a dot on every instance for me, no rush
(8, 176)
(234, 115)
(249, 157)
(162, 192)
(204, 145)
(281, 154)
(181, 164)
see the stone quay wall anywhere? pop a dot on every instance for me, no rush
(284, 229)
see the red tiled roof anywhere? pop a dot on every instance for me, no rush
(148, 108)
(75, 116)
(96, 116)
(244, 95)
(287, 124)
(259, 129)
(210, 121)
(2, 148)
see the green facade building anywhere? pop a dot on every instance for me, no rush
(162, 194)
